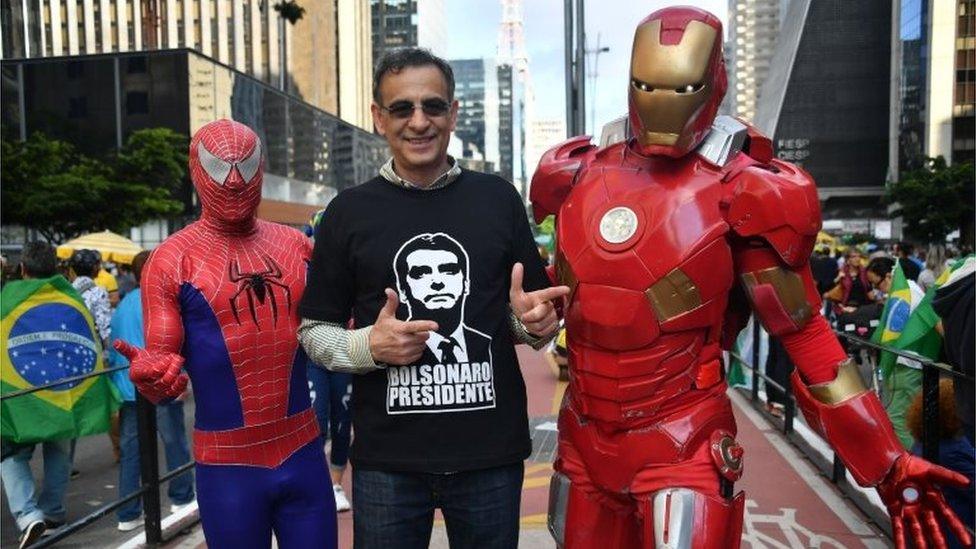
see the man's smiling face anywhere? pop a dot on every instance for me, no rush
(435, 278)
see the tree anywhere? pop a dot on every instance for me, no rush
(289, 10)
(48, 186)
(935, 200)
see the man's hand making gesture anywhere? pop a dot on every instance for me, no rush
(535, 309)
(398, 342)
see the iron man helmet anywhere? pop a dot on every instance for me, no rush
(677, 80)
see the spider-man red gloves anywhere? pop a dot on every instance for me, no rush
(157, 375)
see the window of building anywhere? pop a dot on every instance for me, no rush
(136, 102)
(76, 70)
(136, 64)
(77, 107)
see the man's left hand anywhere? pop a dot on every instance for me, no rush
(535, 309)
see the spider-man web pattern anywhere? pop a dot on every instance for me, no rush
(223, 293)
(220, 302)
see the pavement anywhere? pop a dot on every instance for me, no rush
(789, 503)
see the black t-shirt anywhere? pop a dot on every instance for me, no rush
(449, 254)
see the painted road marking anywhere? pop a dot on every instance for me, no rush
(810, 476)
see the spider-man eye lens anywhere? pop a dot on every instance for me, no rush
(249, 166)
(217, 169)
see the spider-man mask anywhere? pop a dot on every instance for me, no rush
(227, 171)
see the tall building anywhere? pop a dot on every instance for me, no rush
(247, 35)
(96, 101)
(825, 101)
(394, 25)
(355, 63)
(477, 92)
(408, 23)
(753, 29)
(506, 122)
(934, 91)
(964, 102)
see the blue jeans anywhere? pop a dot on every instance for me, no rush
(171, 428)
(396, 510)
(18, 482)
(331, 395)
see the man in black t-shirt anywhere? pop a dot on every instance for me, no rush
(440, 416)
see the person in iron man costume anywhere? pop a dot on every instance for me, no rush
(220, 301)
(665, 239)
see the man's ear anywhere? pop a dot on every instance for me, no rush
(454, 114)
(378, 121)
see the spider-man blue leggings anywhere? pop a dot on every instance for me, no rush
(240, 505)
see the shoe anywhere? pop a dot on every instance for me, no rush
(177, 507)
(129, 525)
(341, 501)
(32, 533)
(75, 473)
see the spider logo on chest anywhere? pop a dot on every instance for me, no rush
(258, 286)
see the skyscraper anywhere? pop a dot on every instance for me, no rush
(355, 63)
(506, 122)
(247, 35)
(408, 23)
(394, 25)
(933, 94)
(753, 28)
(477, 92)
(964, 103)
(825, 101)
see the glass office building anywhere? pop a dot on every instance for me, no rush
(96, 101)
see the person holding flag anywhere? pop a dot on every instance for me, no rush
(48, 334)
(908, 322)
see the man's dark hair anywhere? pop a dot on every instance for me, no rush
(399, 59)
(138, 263)
(86, 262)
(881, 266)
(436, 241)
(905, 249)
(39, 260)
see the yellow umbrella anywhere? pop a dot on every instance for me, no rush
(113, 247)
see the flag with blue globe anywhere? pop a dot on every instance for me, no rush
(48, 335)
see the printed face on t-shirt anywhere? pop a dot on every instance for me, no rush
(435, 278)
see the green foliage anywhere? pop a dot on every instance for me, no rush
(48, 186)
(290, 10)
(155, 156)
(935, 200)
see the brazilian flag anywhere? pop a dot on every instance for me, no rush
(907, 322)
(48, 334)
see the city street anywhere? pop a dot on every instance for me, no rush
(789, 504)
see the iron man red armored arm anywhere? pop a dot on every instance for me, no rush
(554, 177)
(775, 215)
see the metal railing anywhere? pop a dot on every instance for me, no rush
(148, 462)
(834, 468)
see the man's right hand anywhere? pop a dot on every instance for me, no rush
(398, 342)
(159, 376)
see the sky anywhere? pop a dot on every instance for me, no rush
(473, 32)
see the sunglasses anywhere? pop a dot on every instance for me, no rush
(404, 109)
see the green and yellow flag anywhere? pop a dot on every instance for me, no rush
(48, 334)
(907, 322)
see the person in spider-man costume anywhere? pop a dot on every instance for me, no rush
(665, 239)
(220, 302)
